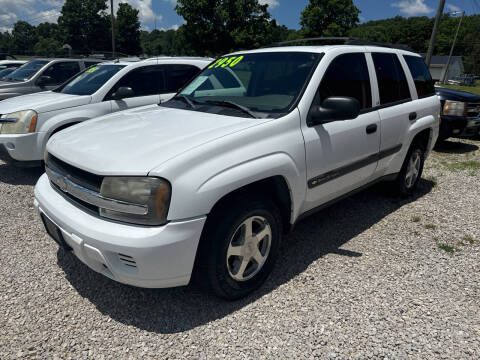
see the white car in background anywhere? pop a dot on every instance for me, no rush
(11, 63)
(27, 122)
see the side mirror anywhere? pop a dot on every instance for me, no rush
(45, 81)
(122, 93)
(334, 108)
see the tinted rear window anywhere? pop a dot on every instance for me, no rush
(392, 82)
(177, 76)
(421, 76)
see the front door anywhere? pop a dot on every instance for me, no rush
(147, 83)
(342, 155)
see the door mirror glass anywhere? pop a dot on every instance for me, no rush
(122, 93)
(334, 108)
(45, 81)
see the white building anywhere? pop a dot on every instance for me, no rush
(438, 65)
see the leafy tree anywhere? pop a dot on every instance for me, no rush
(86, 24)
(6, 42)
(128, 30)
(47, 47)
(159, 42)
(24, 37)
(49, 30)
(329, 17)
(414, 31)
(218, 26)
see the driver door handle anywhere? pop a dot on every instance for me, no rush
(371, 128)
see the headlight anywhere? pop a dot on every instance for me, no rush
(152, 193)
(454, 108)
(20, 122)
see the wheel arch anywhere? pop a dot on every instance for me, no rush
(275, 188)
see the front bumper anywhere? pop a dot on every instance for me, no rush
(151, 257)
(458, 126)
(20, 147)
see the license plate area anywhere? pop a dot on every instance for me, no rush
(55, 233)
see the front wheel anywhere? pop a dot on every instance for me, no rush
(241, 244)
(411, 172)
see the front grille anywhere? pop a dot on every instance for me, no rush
(86, 206)
(78, 176)
(473, 110)
(81, 177)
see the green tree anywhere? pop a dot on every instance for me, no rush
(53, 31)
(128, 30)
(329, 17)
(414, 31)
(6, 42)
(218, 26)
(47, 47)
(24, 37)
(159, 42)
(86, 24)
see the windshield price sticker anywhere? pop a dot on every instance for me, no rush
(227, 61)
(93, 69)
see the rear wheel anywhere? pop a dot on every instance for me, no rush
(240, 246)
(411, 172)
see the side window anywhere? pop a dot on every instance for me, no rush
(144, 81)
(421, 76)
(177, 76)
(62, 71)
(347, 75)
(392, 82)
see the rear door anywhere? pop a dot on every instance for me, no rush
(176, 77)
(395, 105)
(341, 155)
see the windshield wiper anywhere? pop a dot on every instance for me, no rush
(232, 105)
(187, 100)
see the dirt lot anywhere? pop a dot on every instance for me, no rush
(373, 277)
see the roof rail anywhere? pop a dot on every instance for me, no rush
(333, 40)
(178, 58)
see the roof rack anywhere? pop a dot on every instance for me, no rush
(333, 40)
(178, 58)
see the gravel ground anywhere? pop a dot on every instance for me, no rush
(372, 277)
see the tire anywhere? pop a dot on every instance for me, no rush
(223, 266)
(411, 172)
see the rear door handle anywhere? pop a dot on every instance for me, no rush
(371, 128)
(412, 116)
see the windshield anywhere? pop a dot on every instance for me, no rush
(256, 85)
(5, 72)
(90, 80)
(26, 71)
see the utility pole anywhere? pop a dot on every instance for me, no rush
(453, 46)
(113, 29)
(433, 38)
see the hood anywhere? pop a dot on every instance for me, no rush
(11, 84)
(134, 142)
(43, 102)
(456, 95)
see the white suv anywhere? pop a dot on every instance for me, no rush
(28, 121)
(206, 183)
